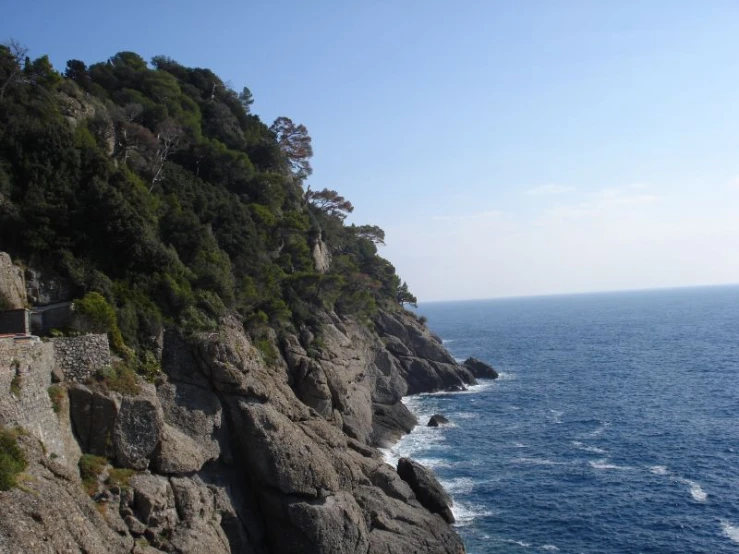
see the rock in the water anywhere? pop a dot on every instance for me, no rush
(429, 491)
(479, 369)
(456, 388)
(436, 420)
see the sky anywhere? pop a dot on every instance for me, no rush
(507, 148)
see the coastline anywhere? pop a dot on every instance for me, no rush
(421, 437)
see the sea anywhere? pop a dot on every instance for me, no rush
(613, 428)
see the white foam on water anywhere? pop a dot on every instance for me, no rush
(448, 341)
(459, 485)
(433, 463)
(599, 431)
(698, 494)
(459, 360)
(538, 462)
(549, 548)
(557, 415)
(520, 445)
(506, 376)
(586, 448)
(730, 531)
(659, 470)
(603, 464)
(464, 513)
(519, 543)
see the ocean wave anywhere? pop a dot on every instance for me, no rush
(519, 543)
(549, 547)
(599, 430)
(448, 341)
(730, 531)
(458, 485)
(586, 448)
(698, 494)
(538, 461)
(506, 376)
(659, 470)
(557, 415)
(603, 464)
(465, 513)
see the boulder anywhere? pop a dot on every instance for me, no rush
(429, 491)
(93, 416)
(138, 429)
(480, 370)
(12, 285)
(437, 420)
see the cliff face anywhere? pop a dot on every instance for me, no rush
(230, 453)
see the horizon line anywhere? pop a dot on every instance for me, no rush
(580, 293)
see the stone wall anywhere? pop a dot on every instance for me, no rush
(80, 357)
(25, 377)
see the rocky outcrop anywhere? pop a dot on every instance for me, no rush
(229, 453)
(321, 256)
(479, 369)
(427, 488)
(12, 285)
(436, 420)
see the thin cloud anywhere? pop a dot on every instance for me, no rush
(602, 203)
(549, 190)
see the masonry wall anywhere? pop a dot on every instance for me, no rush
(25, 377)
(80, 357)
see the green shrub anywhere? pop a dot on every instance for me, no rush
(56, 394)
(93, 314)
(119, 477)
(119, 378)
(269, 353)
(91, 467)
(12, 460)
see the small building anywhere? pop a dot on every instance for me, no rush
(51, 316)
(15, 322)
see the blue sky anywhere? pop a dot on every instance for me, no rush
(507, 148)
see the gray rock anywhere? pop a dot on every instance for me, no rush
(138, 429)
(93, 416)
(479, 369)
(437, 420)
(12, 285)
(428, 490)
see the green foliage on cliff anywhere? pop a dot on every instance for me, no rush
(166, 202)
(12, 460)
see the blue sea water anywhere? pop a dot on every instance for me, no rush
(614, 427)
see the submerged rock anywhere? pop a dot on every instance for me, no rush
(436, 420)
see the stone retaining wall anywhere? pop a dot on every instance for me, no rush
(80, 357)
(25, 377)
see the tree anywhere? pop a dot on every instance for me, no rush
(370, 232)
(404, 296)
(12, 56)
(169, 135)
(246, 99)
(329, 202)
(295, 144)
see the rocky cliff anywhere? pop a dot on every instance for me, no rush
(234, 451)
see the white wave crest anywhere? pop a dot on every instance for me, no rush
(586, 448)
(460, 485)
(538, 461)
(599, 430)
(698, 494)
(506, 376)
(730, 531)
(659, 470)
(519, 543)
(549, 548)
(603, 464)
(464, 513)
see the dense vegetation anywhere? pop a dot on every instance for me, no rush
(154, 187)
